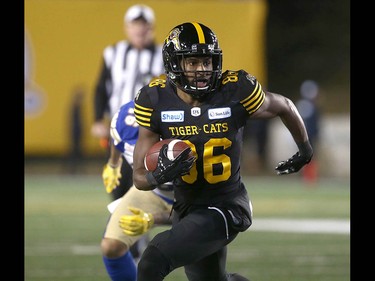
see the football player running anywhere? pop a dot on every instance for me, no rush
(136, 211)
(208, 109)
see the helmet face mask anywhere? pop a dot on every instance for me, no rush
(196, 41)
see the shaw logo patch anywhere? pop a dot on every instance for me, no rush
(219, 113)
(172, 116)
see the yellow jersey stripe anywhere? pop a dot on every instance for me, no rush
(142, 112)
(254, 100)
(142, 108)
(143, 124)
(258, 104)
(142, 115)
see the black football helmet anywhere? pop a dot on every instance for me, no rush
(192, 39)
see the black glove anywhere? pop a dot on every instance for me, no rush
(297, 161)
(167, 170)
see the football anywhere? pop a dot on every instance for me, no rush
(175, 147)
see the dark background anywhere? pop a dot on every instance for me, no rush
(310, 40)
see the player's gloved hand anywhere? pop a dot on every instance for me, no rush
(167, 170)
(136, 224)
(297, 161)
(111, 176)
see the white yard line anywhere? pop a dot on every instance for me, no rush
(322, 226)
(301, 225)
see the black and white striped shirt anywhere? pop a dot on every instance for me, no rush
(124, 71)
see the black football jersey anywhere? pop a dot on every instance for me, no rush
(214, 130)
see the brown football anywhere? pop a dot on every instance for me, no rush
(175, 147)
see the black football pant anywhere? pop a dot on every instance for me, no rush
(126, 181)
(197, 242)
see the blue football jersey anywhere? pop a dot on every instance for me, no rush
(124, 130)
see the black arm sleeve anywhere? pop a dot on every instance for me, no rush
(101, 97)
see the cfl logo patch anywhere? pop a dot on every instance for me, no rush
(195, 111)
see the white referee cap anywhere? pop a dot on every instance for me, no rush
(140, 11)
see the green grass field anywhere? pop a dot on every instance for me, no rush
(65, 217)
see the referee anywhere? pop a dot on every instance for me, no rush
(126, 67)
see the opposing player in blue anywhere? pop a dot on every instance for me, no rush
(136, 211)
(208, 109)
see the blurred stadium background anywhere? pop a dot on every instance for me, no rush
(283, 43)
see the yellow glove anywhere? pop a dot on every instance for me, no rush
(136, 224)
(111, 177)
